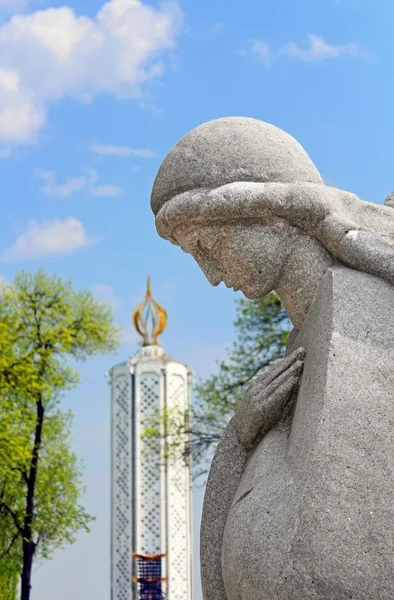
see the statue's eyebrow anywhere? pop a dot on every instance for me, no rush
(195, 245)
(212, 245)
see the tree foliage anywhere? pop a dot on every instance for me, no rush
(44, 322)
(261, 331)
(10, 560)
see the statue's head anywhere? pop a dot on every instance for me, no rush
(201, 202)
(229, 150)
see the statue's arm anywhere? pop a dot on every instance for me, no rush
(262, 407)
(357, 248)
(347, 227)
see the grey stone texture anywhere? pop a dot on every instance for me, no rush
(267, 402)
(299, 501)
(313, 515)
(212, 185)
(231, 149)
(390, 200)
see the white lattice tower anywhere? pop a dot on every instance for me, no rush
(150, 495)
(180, 583)
(121, 483)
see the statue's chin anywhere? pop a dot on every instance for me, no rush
(256, 293)
(252, 295)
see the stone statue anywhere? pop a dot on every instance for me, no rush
(299, 502)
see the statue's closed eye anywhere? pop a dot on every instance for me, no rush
(209, 249)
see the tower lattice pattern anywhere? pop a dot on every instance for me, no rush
(150, 496)
(178, 490)
(121, 432)
(150, 482)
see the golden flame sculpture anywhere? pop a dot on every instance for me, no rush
(149, 318)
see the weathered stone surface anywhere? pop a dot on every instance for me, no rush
(254, 419)
(318, 519)
(390, 200)
(223, 481)
(205, 179)
(305, 513)
(231, 149)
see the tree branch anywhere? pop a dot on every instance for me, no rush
(13, 515)
(8, 549)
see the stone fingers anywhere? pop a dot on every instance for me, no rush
(285, 364)
(282, 394)
(292, 373)
(264, 409)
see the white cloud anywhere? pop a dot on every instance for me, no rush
(5, 152)
(110, 150)
(108, 190)
(53, 53)
(106, 293)
(52, 188)
(76, 184)
(262, 51)
(100, 190)
(315, 49)
(48, 239)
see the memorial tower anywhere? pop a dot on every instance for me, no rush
(151, 545)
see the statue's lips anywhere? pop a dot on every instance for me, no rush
(234, 285)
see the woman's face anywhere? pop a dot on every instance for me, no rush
(246, 257)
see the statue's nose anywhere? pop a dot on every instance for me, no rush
(211, 271)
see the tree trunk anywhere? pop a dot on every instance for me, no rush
(28, 552)
(28, 544)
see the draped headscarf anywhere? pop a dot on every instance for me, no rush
(240, 169)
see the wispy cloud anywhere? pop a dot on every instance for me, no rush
(53, 189)
(314, 49)
(118, 51)
(72, 185)
(107, 190)
(262, 51)
(48, 238)
(5, 152)
(123, 151)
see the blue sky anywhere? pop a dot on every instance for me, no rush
(92, 97)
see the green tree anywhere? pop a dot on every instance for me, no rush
(44, 322)
(261, 331)
(9, 560)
